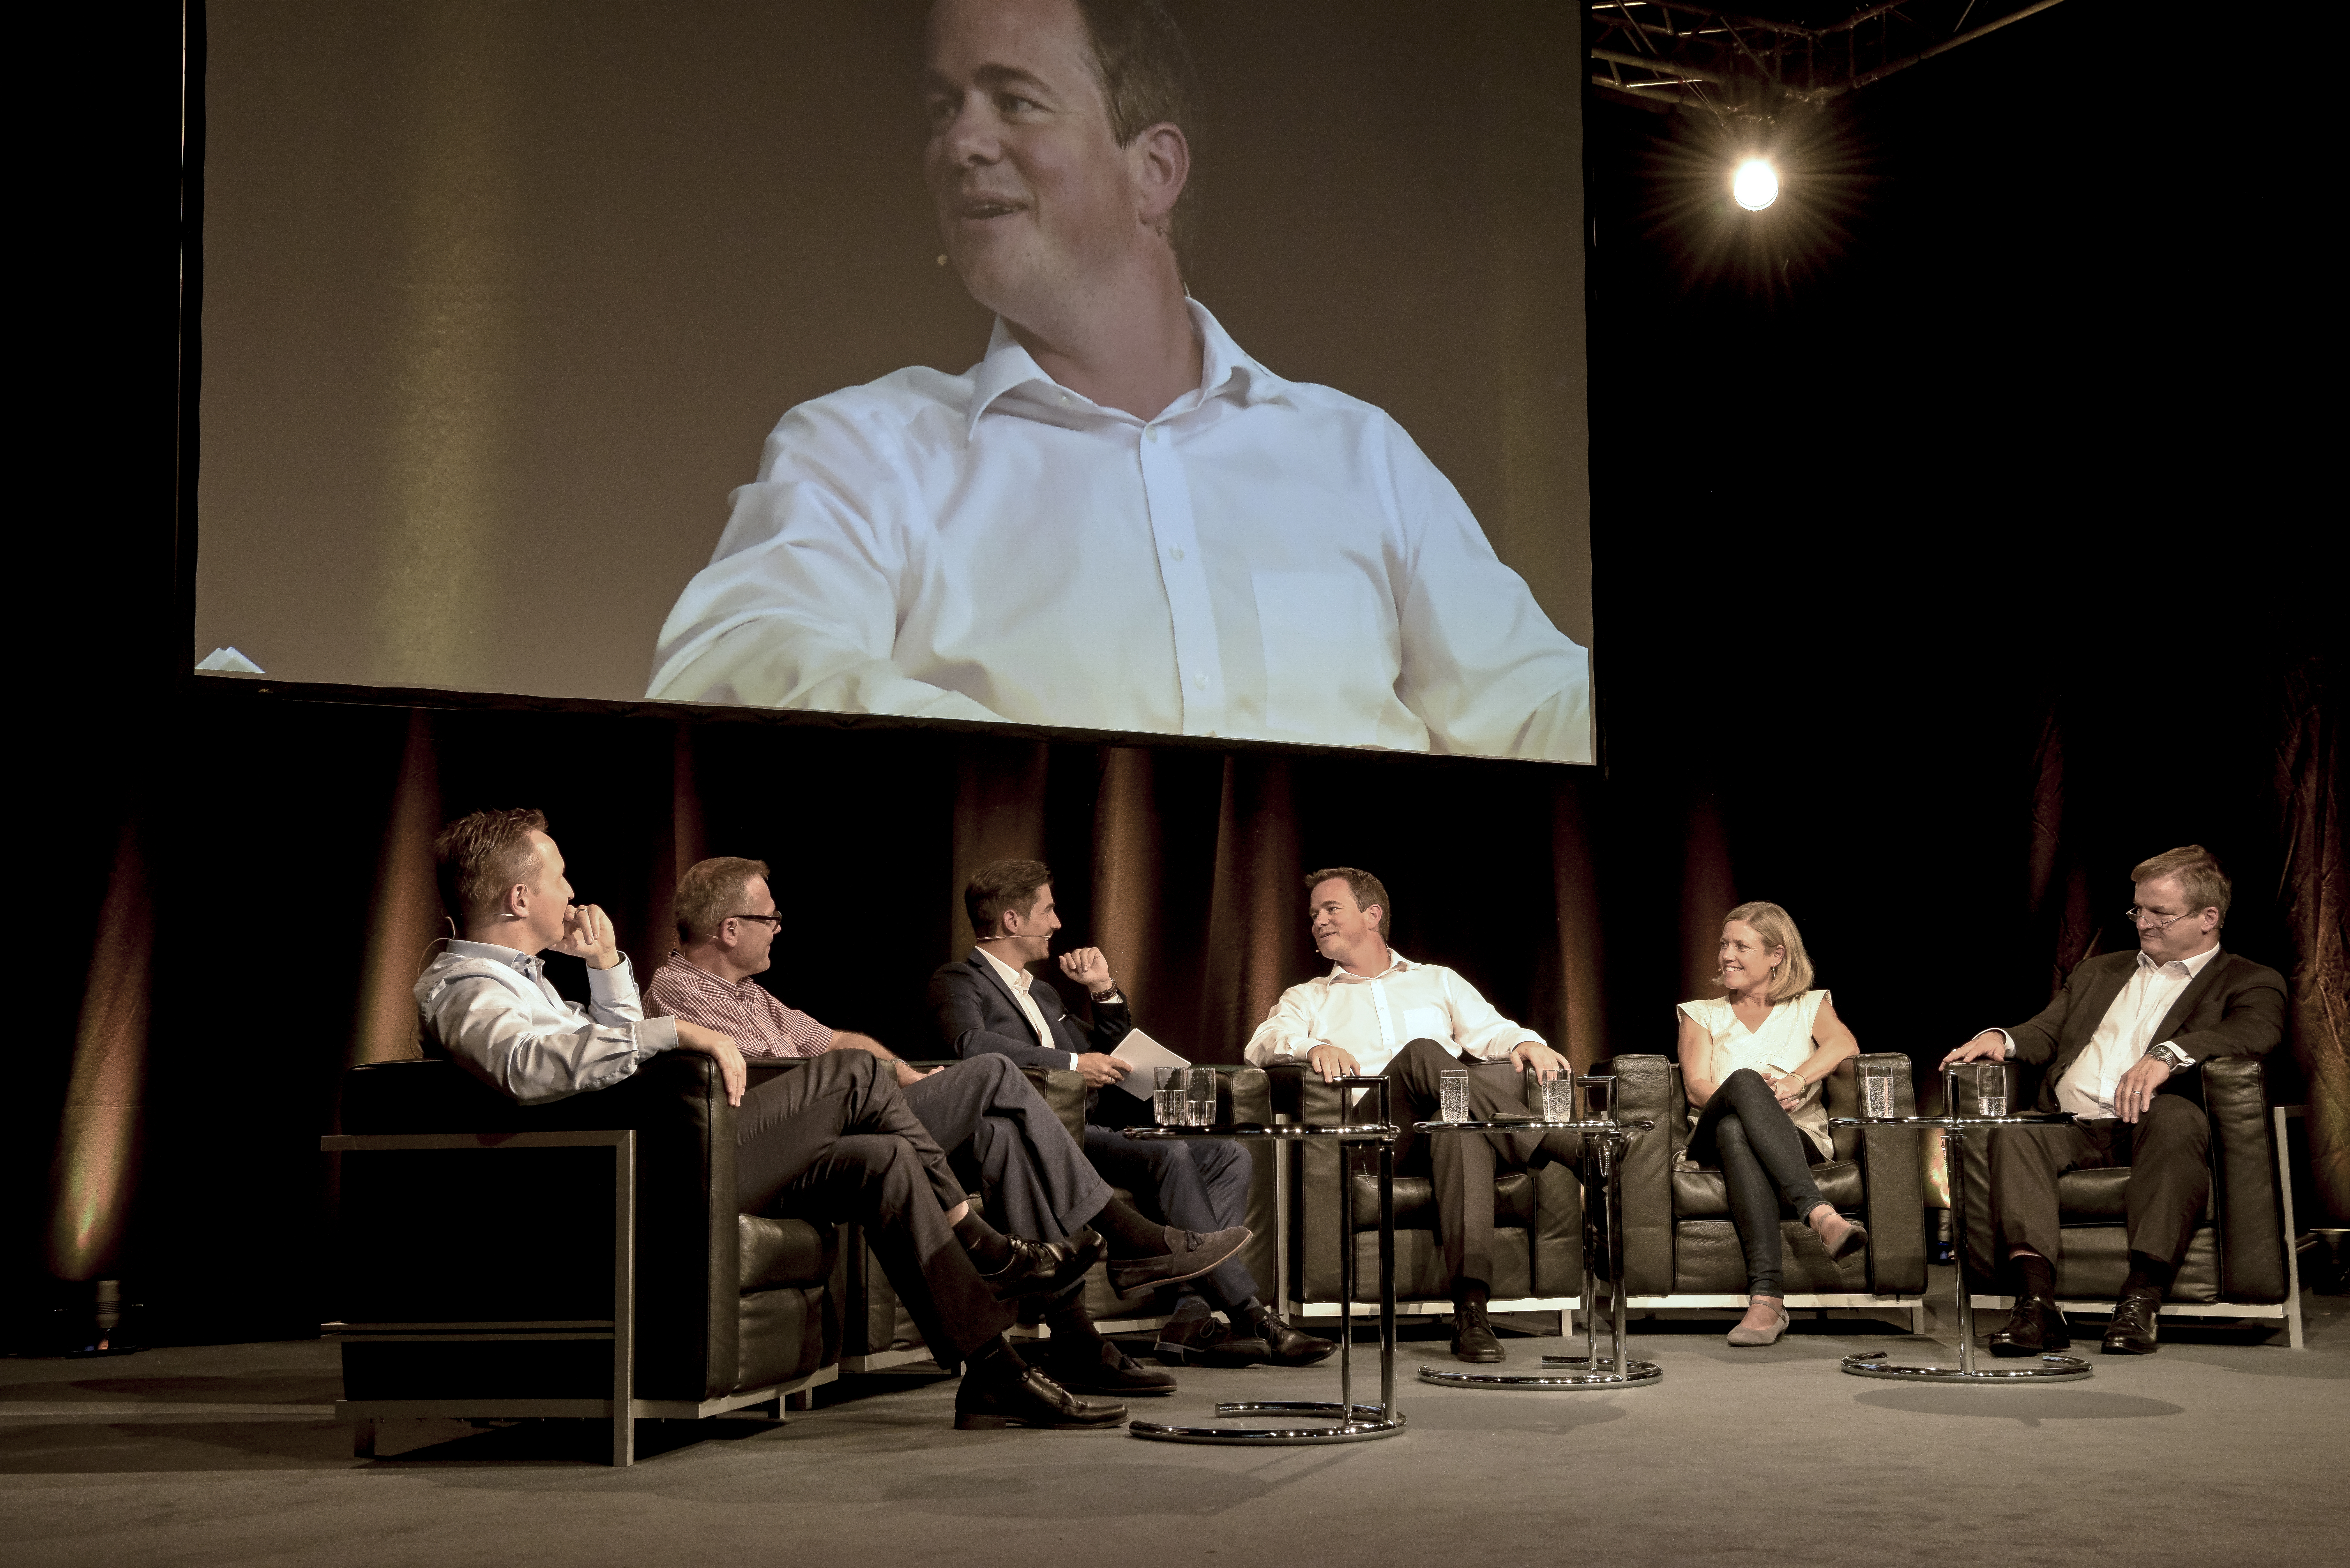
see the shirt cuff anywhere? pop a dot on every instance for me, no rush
(2009, 1056)
(655, 1035)
(619, 980)
(1073, 1061)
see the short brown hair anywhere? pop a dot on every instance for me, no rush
(705, 891)
(1001, 884)
(482, 854)
(1777, 930)
(2197, 869)
(1368, 890)
(1147, 79)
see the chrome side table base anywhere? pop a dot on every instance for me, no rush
(2039, 1369)
(1345, 1421)
(2042, 1369)
(1604, 1145)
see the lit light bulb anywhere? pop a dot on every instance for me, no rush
(1756, 185)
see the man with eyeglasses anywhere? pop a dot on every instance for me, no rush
(2120, 1044)
(1037, 1179)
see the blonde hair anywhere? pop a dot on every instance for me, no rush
(1777, 929)
(2197, 869)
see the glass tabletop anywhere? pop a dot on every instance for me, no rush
(1280, 1131)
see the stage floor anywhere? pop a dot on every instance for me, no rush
(2221, 1448)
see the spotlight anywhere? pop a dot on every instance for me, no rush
(1756, 185)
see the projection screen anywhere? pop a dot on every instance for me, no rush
(612, 349)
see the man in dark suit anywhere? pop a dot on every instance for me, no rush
(2121, 1043)
(988, 1003)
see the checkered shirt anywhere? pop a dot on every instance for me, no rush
(761, 1026)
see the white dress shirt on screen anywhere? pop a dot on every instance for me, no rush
(1372, 1017)
(2124, 1034)
(1266, 560)
(1020, 979)
(493, 1010)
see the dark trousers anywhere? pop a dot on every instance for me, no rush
(2170, 1176)
(1199, 1184)
(835, 1141)
(1763, 1159)
(1037, 1179)
(1463, 1165)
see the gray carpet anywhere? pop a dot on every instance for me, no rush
(2224, 1448)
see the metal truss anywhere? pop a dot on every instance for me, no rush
(1665, 54)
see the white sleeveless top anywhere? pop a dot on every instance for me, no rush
(1782, 1044)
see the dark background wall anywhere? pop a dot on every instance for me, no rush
(1940, 575)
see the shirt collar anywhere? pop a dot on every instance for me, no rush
(1224, 371)
(1017, 979)
(512, 958)
(1396, 963)
(2193, 966)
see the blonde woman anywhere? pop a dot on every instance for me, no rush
(1751, 1062)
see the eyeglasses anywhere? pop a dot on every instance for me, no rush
(2137, 917)
(774, 922)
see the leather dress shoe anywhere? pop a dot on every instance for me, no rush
(1104, 1367)
(1190, 1254)
(2036, 1326)
(1032, 1399)
(1292, 1346)
(1472, 1336)
(1207, 1341)
(2132, 1331)
(1046, 1268)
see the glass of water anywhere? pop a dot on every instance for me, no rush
(1876, 1092)
(1990, 1088)
(1167, 1100)
(1452, 1096)
(1200, 1096)
(1558, 1099)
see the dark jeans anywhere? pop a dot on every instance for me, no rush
(2167, 1153)
(835, 1141)
(1747, 1135)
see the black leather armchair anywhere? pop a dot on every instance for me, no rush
(478, 1278)
(2239, 1262)
(882, 1335)
(1680, 1249)
(1537, 1218)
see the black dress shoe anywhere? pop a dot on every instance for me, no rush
(1084, 1369)
(1032, 1399)
(2132, 1330)
(2036, 1326)
(1291, 1346)
(1046, 1268)
(1189, 1256)
(1207, 1341)
(1473, 1336)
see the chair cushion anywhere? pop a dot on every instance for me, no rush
(1700, 1193)
(777, 1252)
(1415, 1201)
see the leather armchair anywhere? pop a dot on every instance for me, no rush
(2239, 1262)
(1537, 1218)
(729, 1309)
(1680, 1248)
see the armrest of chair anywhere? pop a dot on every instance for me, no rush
(1644, 1087)
(1892, 1177)
(2246, 1208)
(1063, 1088)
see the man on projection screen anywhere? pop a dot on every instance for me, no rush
(1116, 520)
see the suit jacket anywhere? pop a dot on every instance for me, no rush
(2234, 1008)
(976, 1013)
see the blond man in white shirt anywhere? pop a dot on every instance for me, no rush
(2121, 1043)
(1116, 520)
(1377, 1011)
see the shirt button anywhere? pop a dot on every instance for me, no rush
(1150, 434)
(1200, 680)
(1177, 552)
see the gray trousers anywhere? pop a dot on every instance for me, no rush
(1037, 1180)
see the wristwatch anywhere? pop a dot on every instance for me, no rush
(2172, 1054)
(1109, 995)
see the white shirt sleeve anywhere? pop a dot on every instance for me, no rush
(1287, 1032)
(491, 1031)
(1477, 1027)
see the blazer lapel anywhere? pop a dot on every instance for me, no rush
(2081, 1023)
(986, 970)
(2176, 1019)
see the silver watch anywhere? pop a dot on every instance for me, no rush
(2171, 1055)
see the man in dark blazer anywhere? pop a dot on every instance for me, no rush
(2121, 1043)
(988, 1003)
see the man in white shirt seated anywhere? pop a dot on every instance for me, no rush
(1379, 1013)
(1116, 520)
(2121, 1043)
(832, 1142)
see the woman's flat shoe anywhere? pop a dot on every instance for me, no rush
(1745, 1336)
(1856, 1237)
